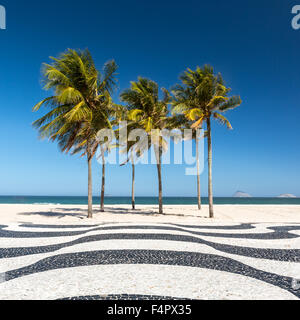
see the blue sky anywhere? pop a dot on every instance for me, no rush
(251, 43)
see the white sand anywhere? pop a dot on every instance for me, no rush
(76, 214)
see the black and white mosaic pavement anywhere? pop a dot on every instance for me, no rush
(123, 297)
(149, 261)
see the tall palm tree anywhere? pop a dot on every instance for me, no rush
(104, 117)
(132, 154)
(129, 150)
(128, 147)
(104, 147)
(203, 96)
(133, 184)
(97, 124)
(78, 95)
(181, 122)
(150, 113)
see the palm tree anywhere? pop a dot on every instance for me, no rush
(147, 111)
(78, 96)
(103, 180)
(133, 184)
(96, 125)
(181, 122)
(104, 117)
(129, 150)
(132, 154)
(128, 147)
(104, 147)
(201, 97)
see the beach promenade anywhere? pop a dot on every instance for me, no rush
(49, 252)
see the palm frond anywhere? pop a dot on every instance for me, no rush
(222, 120)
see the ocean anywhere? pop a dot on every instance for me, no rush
(144, 200)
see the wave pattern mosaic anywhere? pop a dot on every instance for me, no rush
(153, 261)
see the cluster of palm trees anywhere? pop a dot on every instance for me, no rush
(82, 105)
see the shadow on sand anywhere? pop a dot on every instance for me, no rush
(82, 213)
(59, 214)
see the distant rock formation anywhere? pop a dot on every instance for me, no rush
(287, 195)
(241, 194)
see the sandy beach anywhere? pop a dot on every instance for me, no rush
(64, 214)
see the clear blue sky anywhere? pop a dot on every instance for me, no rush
(250, 42)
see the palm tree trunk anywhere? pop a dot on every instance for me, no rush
(198, 173)
(103, 180)
(210, 190)
(133, 182)
(90, 191)
(160, 200)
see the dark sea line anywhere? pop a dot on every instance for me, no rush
(72, 200)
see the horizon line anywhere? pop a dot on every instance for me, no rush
(111, 196)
